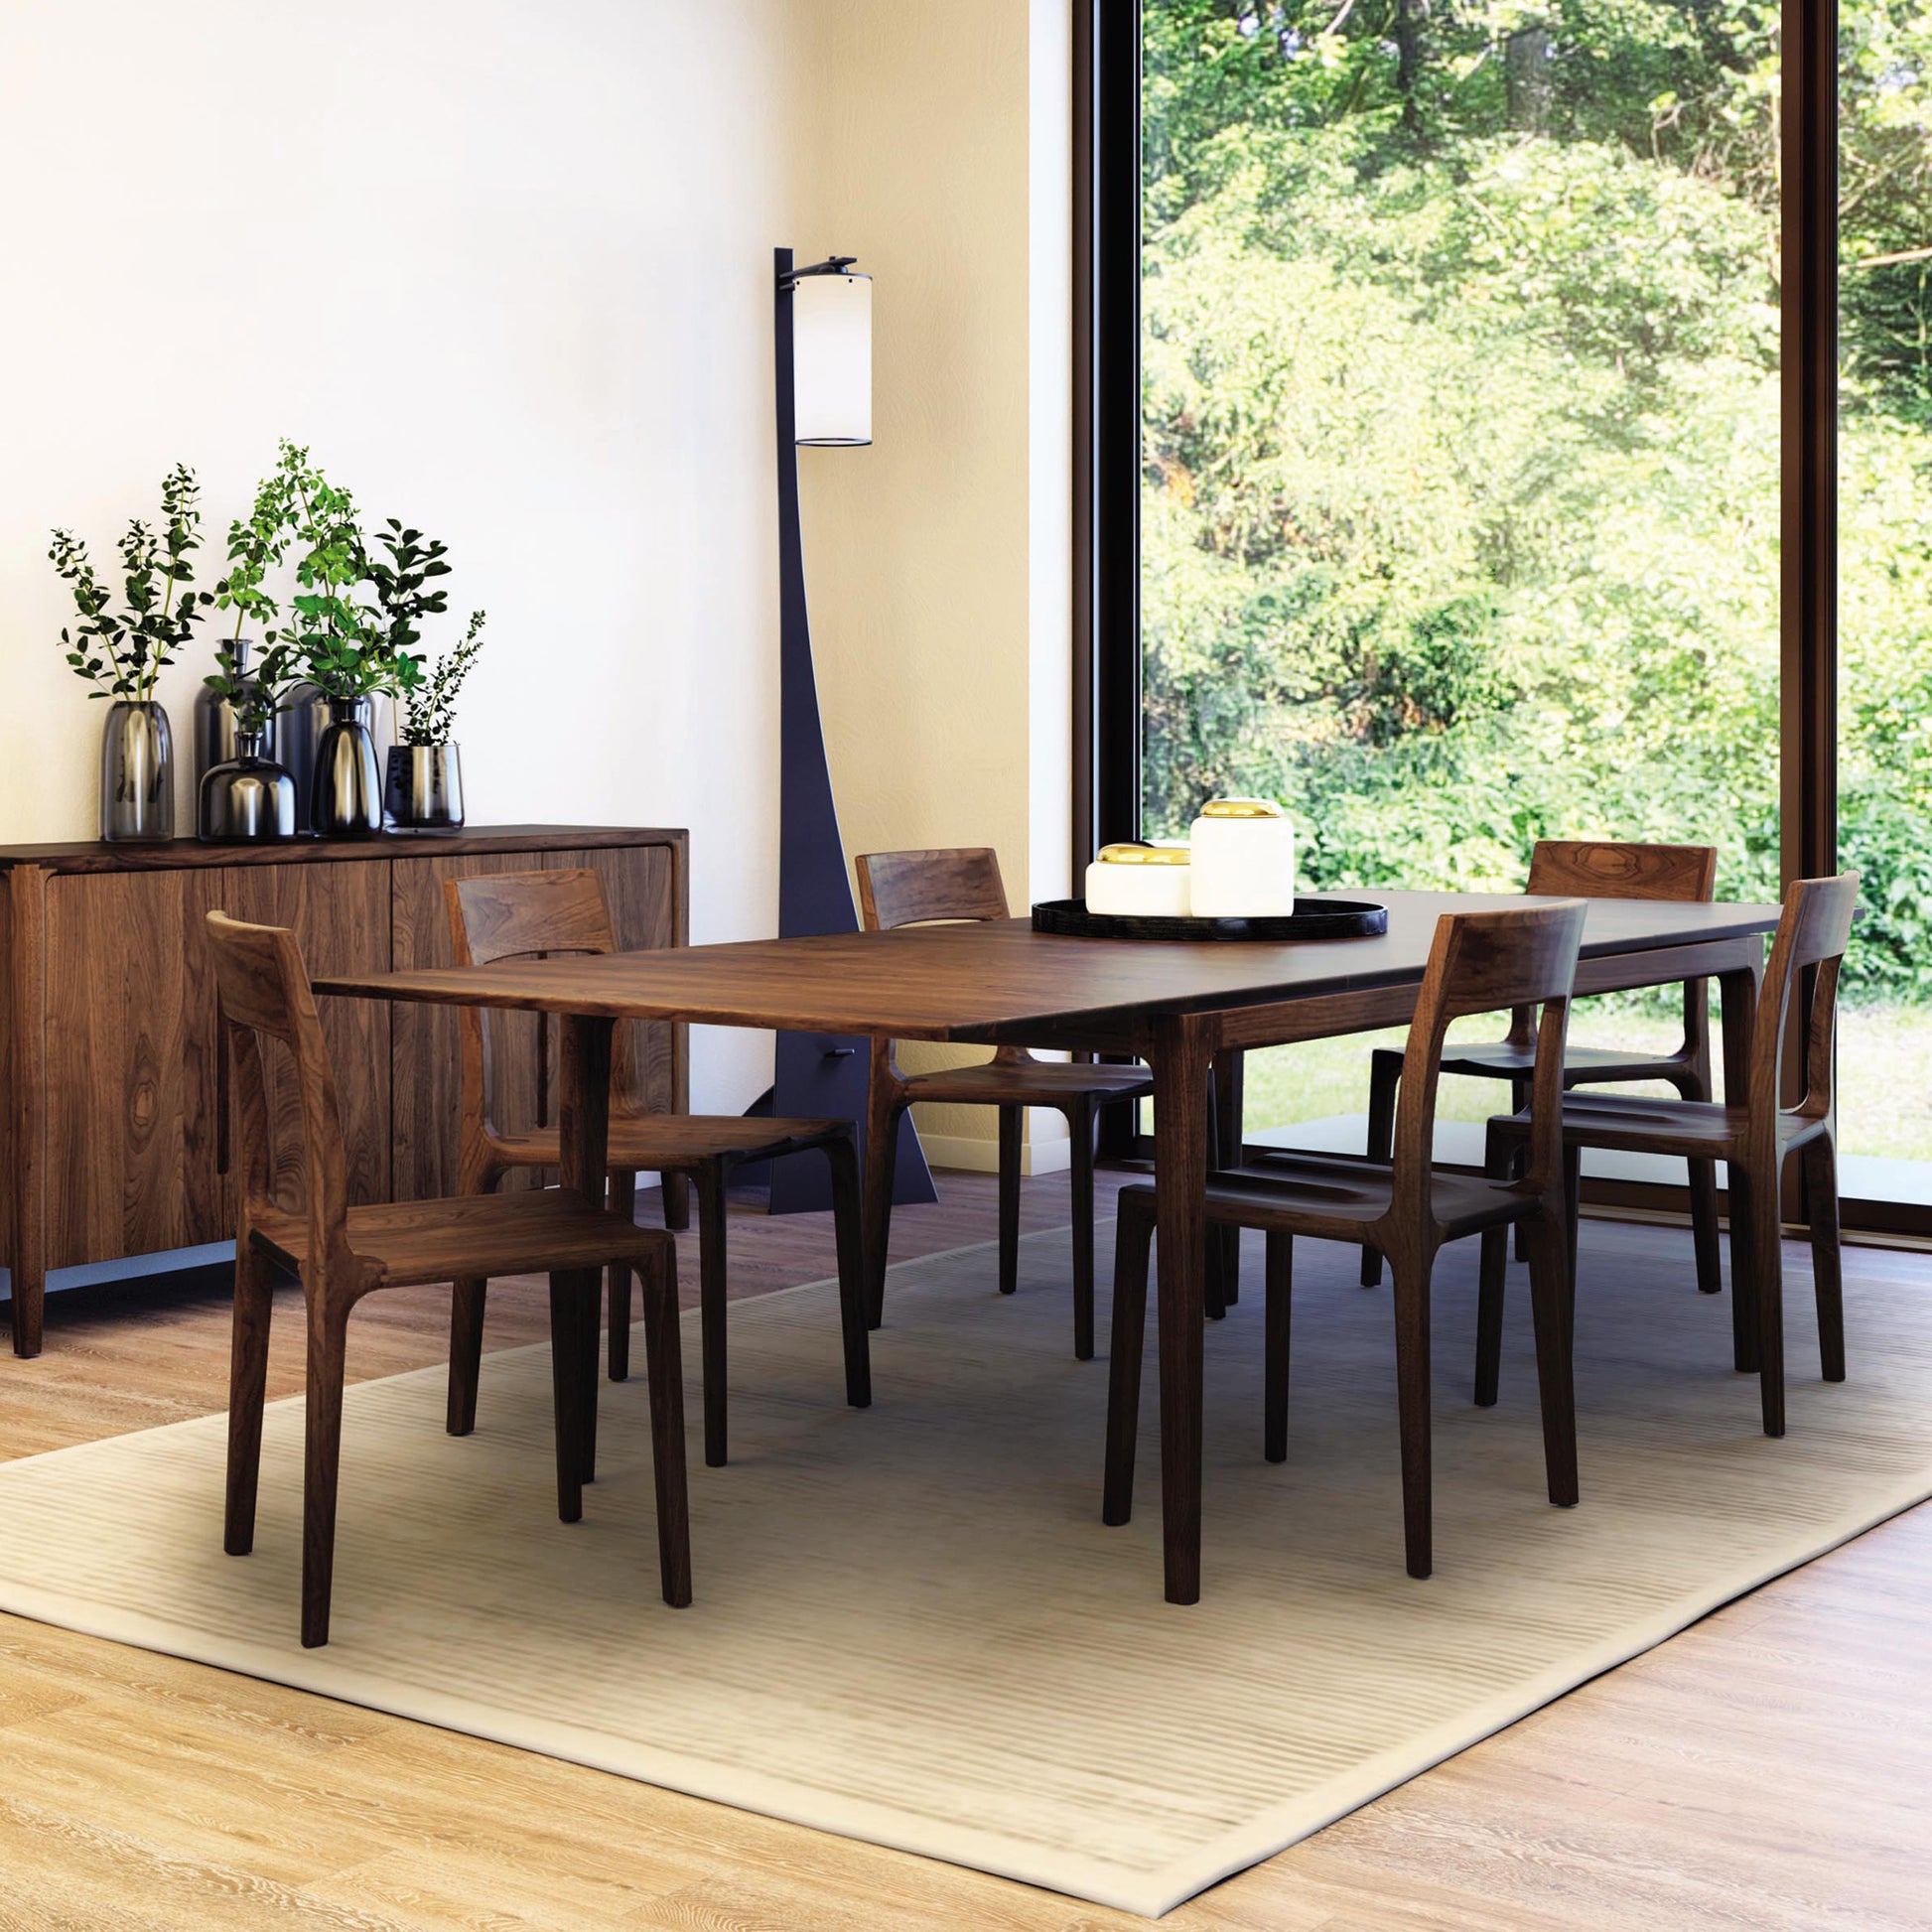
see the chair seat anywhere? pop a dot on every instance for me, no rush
(1695, 1129)
(473, 1235)
(1307, 1194)
(656, 1142)
(1031, 1083)
(1503, 1061)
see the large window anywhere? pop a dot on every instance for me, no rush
(1884, 671)
(1467, 464)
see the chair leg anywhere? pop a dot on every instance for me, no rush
(1278, 1268)
(1703, 1226)
(1744, 1273)
(1079, 1124)
(617, 1283)
(710, 1182)
(1767, 1267)
(1491, 1292)
(1410, 1295)
(1572, 1214)
(1696, 1085)
(1821, 1199)
(674, 1194)
(1519, 1098)
(1011, 1121)
(848, 1223)
(573, 1384)
(466, 1353)
(1132, 1240)
(1549, 1303)
(1384, 1076)
(882, 1161)
(327, 1336)
(254, 1301)
(664, 1370)
(1499, 1157)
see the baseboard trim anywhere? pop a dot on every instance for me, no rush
(977, 1155)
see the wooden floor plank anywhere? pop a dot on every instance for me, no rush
(1763, 1771)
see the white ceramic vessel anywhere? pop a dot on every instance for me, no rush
(1140, 881)
(1243, 851)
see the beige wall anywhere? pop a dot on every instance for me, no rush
(936, 559)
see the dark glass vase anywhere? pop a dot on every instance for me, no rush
(345, 802)
(137, 774)
(299, 725)
(425, 793)
(248, 800)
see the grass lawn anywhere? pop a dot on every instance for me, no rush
(1884, 1071)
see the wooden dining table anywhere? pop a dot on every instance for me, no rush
(1177, 1006)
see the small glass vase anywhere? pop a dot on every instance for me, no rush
(248, 800)
(347, 799)
(137, 774)
(425, 788)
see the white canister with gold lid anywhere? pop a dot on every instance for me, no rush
(1243, 853)
(1140, 881)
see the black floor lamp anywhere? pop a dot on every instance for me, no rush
(822, 343)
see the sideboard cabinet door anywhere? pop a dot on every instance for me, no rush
(129, 1046)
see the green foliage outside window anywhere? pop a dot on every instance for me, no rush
(1461, 434)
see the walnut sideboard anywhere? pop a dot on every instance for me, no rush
(109, 1141)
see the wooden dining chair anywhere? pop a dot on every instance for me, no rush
(1590, 869)
(520, 915)
(897, 888)
(1753, 1139)
(295, 1213)
(1405, 1209)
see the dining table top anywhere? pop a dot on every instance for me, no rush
(982, 982)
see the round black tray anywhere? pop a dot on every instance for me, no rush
(1312, 918)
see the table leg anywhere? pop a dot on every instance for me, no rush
(584, 1123)
(1181, 1052)
(882, 1157)
(1225, 1244)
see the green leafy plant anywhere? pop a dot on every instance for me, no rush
(398, 583)
(432, 706)
(121, 652)
(258, 692)
(351, 647)
(254, 545)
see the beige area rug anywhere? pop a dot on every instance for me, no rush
(910, 1625)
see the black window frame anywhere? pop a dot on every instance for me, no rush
(1107, 692)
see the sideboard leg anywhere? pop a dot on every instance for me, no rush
(25, 1125)
(30, 1292)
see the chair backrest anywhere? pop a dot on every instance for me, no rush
(1522, 957)
(526, 915)
(263, 989)
(1624, 869)
(1619, 869)
(917, 888)
(1814, 929)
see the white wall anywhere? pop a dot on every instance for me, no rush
(504, 265)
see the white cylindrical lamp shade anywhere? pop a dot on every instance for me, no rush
(831, 359)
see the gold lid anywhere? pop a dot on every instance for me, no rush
(1241, 808)
(1143, 855)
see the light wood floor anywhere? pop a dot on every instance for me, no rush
(1767, 1769)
